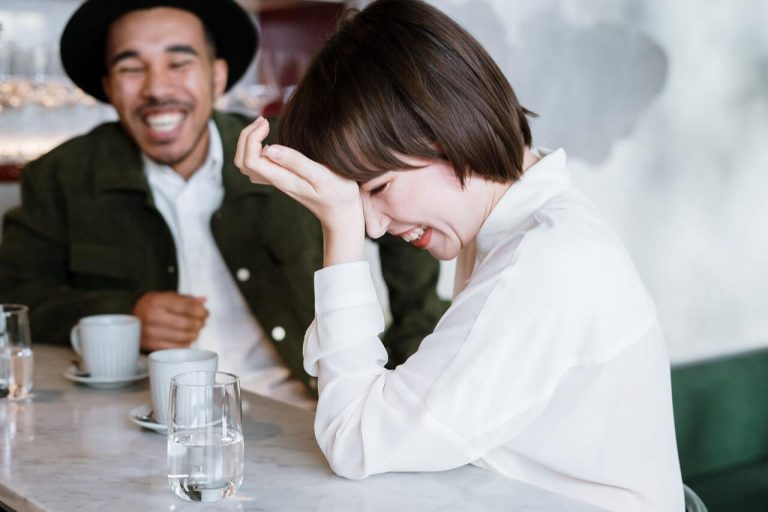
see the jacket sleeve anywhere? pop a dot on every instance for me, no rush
(411, 276)
(34, 262)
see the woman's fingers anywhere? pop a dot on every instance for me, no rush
(290, 182)
(250, 158)
(297, 163)
(320, 178)
(329, 196)
(290, 175)
(249, 142)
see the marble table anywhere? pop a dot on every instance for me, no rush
(73, 448)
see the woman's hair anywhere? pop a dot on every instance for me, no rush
(400, 78)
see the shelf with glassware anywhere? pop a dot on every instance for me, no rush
(291, 33)
(41, 108)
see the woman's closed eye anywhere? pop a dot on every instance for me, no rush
(379, 189)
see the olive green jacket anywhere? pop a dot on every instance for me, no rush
(88, 240)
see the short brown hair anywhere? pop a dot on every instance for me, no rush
(402, 78)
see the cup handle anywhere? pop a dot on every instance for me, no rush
(74, 339)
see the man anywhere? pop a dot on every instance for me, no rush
(150, 217)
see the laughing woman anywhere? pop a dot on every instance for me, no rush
(550, 366)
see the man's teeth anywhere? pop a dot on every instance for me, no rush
(164, 122)
(414, 235)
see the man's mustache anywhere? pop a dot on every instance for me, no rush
(156, 103)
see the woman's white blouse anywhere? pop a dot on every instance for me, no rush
(549, 367)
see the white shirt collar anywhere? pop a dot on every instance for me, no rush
(543, 180)
(210, 169)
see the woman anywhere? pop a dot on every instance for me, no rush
(550, 365)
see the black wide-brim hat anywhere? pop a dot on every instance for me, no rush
(83, 41)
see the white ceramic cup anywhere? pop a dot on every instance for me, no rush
(164, 364)
(108, 344)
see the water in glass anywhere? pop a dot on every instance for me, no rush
(16, 360)
(19, 363)
(203, 467)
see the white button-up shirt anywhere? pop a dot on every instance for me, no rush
(231, 330)
(549, 367)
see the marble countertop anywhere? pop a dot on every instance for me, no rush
(73, 448)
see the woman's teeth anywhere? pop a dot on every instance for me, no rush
(414, 235)
(164, 122)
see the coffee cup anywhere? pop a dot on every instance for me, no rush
(167, 363)
(108, 345)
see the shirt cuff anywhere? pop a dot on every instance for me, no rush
(342, 286)
(348, 319)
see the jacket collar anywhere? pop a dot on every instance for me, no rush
(235, 182)
(118, 160)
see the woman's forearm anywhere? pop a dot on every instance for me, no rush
(344, 242)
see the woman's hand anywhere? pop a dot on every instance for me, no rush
(334, 200)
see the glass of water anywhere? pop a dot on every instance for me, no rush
(16, 360)
(205, 436)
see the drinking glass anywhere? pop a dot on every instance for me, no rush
(205, 436)
(16, 360)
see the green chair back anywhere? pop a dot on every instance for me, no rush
(721, 412)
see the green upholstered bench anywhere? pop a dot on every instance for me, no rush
(721, 419)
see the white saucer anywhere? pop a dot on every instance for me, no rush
(142, 416)
(74, 373)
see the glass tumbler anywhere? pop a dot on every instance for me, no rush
(205, 436)
(16, 360)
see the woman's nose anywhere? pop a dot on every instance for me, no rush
(376, 222)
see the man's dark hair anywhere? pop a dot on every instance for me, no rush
(400, 78)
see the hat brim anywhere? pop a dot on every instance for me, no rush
(83, 41)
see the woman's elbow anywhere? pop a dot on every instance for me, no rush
(345, 454)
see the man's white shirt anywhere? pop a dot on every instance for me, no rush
(231, 330)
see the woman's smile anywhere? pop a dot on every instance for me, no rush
(441, 221)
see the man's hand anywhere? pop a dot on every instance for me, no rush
(169, 320)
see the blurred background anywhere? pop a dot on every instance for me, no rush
(662, 108)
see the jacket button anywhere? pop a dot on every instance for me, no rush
(278, 333)
(171, 269)
(243, 274)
